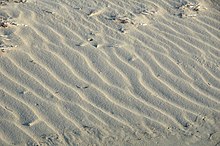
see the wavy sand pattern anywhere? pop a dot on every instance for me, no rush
(114, 72)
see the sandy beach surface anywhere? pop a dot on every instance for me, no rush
(110, 72)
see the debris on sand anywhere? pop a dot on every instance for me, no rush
(7, 21)
(6, 48)
(4, 2)
(188, 9)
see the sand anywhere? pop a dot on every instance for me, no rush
(110, 72)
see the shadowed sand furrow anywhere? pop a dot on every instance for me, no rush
(47, 81)
(36, 103)
(65, 95)
(165, 85)
(191, 29)
(70, 83)
(23, 122)
(56, 118)
(152, 101)
(32, 106)
(174, 79)
(130, 71)
(210, 56)
(109, 80)
(144, 85)
(135, 82)
(13, 136)
(122, 72)
(179, 62)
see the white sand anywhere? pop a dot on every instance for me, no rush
(110, 72)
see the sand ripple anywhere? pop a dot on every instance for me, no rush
(108, 72)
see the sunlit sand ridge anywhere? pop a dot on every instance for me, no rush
(114, 72)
